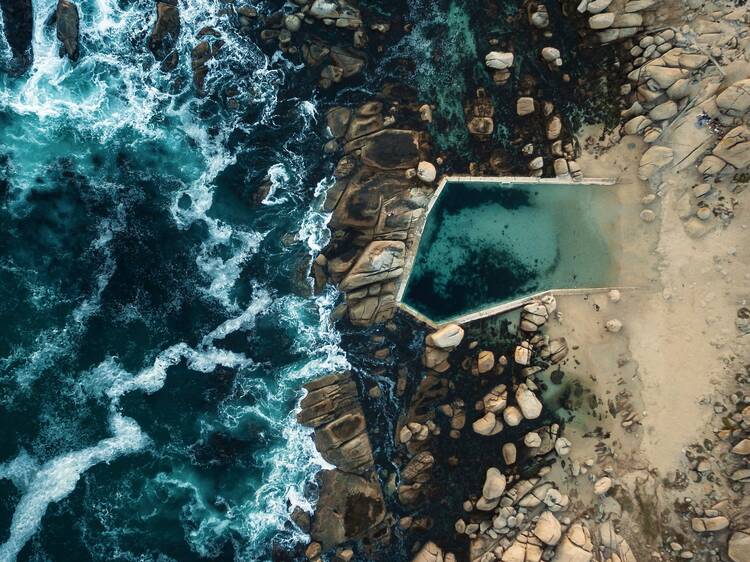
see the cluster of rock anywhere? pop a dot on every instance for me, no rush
(555, 143)
(675, 90)
(513, 518)
(721, 518)
(614, 20)
(383, 184)
(663, 79)
(541, 131)
(350, 504)
(18, 23)
(333, 60)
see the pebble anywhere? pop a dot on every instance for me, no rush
(613, 325)
(602, 486)
(647, 215)
(562, 446)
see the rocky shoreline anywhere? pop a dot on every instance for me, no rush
(517, 510)
(476, 464)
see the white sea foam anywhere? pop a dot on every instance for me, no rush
(20, 470)
(277, 177)
(57, 478)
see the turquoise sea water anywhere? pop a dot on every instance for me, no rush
(489, 243)
(154, 325)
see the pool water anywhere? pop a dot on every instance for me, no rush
(489, 243)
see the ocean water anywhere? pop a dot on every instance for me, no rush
(156, 319)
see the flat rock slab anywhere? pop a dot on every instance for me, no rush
(391, 149)
(348, 507)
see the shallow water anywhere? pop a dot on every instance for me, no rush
(486, 244)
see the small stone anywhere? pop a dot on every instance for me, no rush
(703, 213)
(494, 484)
(601, 21)
(562, 446)
(313, 550)
(532, 440)
(709, 524)
(512, 416)
(614, 295)
(485, 362)
(498, 60)
(522, 355)
(739, 546)
(550, 54)
(614, 325)
(405, 435)
(602, 485)
(525, 106)
(447, 337)
(647, 215)
(742, 448)
(548, 529)
(509, 453)
(701, 189)
(293, 22)
(426, 172)
(530, 406)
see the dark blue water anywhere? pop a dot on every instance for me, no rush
(156, 320)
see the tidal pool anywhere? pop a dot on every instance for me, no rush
(489, 243)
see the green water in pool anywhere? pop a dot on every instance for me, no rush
(486, 243)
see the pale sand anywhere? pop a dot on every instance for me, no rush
(679, 343)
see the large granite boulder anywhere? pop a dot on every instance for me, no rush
(67, 28)
(430, 552)
(332, 408)
(735, 147)
(526, 548)
(739, 546)
(360, 202)
(391, 149)
(575, 546)
(163, 38)
(735, 100)
(350, 507)
(380, 261)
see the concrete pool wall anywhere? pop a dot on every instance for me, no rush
(498, 307)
